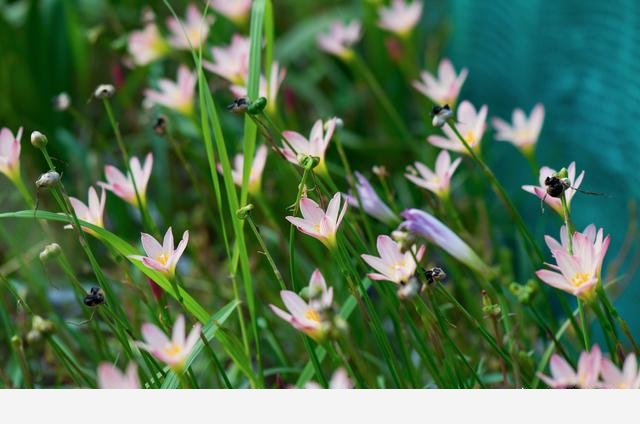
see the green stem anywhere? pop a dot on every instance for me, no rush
(583, 324)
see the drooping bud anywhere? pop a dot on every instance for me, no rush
(38, 140)
(48, 179)
(50, 251)
(104, 91)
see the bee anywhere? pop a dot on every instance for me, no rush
(557, 186)
(433, 275)
(239, 105)
(95, 297)
(160, 126)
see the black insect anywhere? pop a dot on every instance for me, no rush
(440, 111)
(160, 126)
(239, 105)
(95, 297)
(557, 186)
(433, 275)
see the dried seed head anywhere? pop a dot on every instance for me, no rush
(48, 179)
(104, 91)
(38, 139)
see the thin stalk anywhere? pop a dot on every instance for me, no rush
(265, 251)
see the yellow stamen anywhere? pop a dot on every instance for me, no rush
(163, 259)
(580, 278)
(172, 350)
(312, 315)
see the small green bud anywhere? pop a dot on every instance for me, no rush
(244, 211)
(38, 140)
(563, 173)
(257, 106)
(16, 342)
(308, 162)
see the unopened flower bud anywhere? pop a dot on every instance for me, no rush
(257, 106)
(308, 162)
(48, 179)
(50, 251)
(61, 102)
(38, 139)
(104, 91)
(404, 239)
(42, 325)
(244, 211)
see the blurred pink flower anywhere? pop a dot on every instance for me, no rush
(445, 88)
(627, 378)
(147, 45)
(371, 202)
(315, 146)
(393, 265)
(318, 223)
(597, 239)
(175, 95)
(92, 212)
(110, 377)
(400, 18)
(541, 190)
(438, 182)
(235, 10)
(339, 380)
(10, 153)
(162, 257)
(564, 377)
(523, 133)
(232, 62)
(122, 186)
(172, 352)
(427, 226)
(339, 39)
(307, 317)
(267, 89)
(195, 27)
(257, 166)
(471, 125)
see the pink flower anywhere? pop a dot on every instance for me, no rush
(471, 125)
(123, 187)
(627, 378)
(541, 190)
(443, 89)
(578, 272)
(172, 352)
(266, 89)
(162, 257)
(175, 95)
(564, 377)
(235, 10)
(427, 226)
(600, 244)
(93, 212)
(110, 377)
(232, 62)
(147, 45)
(438, 182)
(524, 132)
(257, 166)
(339, 380)
(318, 223)
(340, 38)
(10, 153)
(315, 146)
(393, 265)
(371, 202)
(308, 317)
(400, 18)
(195, 27)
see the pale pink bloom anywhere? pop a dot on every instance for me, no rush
(172, 352)
(122, 186)
(235, 10)
(307, 317)
(339, 380)
(400, 18)
(10, 153)
(427, 226)
(267, 89)
(340, 38)
(162, 257)
(257, 166)
(576, 273)
(110, 377)
(315, 146)
(232, 62)
(599, 243)
(318, 223)
(439, 181)
(393, 265)
(92, 212)
(523, 133)
(445, 88)
(371, 202)
(471, 125)
(564, 377)
(195, 27)
(627, 378)
(175, 95)
(541, 190)
(147, 45)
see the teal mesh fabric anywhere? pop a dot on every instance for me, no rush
(581, 59)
